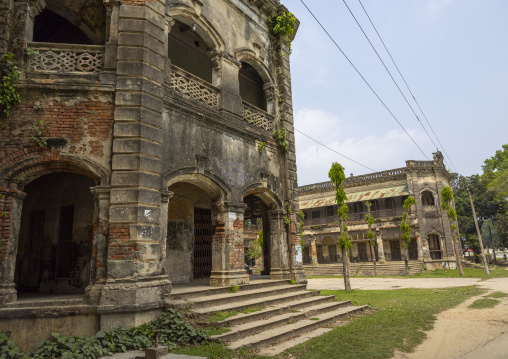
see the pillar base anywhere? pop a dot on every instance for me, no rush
(129, 302)
(8, 293)
(280, 273)
(228, 278)
(299, 275)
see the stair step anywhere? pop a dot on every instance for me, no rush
(201, 313)
(201, 291)
(249, 329)
(290, 330)
(50, 302)
(273, 310)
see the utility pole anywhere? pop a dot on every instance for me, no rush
(485, 264)
(492, 244)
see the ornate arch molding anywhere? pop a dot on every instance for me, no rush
(208, 182)
(428, 189)
(258, 189)
(30, 170)
(436, 232)
(189, 16)
(250, 57)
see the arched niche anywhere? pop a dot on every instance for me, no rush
(252, 86)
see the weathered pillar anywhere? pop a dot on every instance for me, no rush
(225, 76)
(11, 205)
(298, 272)
(135, 288)
(165, 197)
(419, 244)
(380, 249)
(278, 246)
(98, 272)
(425, 247)
(34, 8)
(228, 257)
(313, 251)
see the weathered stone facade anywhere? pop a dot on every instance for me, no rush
(154, 112)
(431, 238)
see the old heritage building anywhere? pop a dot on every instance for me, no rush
(431, 238)
(153, 111)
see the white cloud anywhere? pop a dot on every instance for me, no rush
(380, 151)
(435, 6)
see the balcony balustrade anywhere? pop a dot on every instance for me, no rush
(257, 117)
(193, 87)
(65, 58)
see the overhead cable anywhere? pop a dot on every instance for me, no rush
(363, 78)
(409, 89)
(331, 149)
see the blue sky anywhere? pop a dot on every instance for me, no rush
(452, 53)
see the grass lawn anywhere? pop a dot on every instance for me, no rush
(398, 321)
(497, 272)
(468, 273)
(484, 303)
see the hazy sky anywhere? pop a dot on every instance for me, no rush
(452, 53)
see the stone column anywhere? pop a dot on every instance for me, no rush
(108, 74)
(380, 249)
(165, 197)
(225, 76)
(228, 257)
(278, 246)
(34, 8)
(98, 272)
(135, 288)
(313, 251)
(419, 245)
(11, 205)
(425, 247)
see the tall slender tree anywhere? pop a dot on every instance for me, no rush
(337, 177)
(447, 205)
(406, 229)
(370, 235)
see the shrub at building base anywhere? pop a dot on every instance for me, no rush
(174, 331)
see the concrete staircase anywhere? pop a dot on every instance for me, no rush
(288, 311)
(364, 269)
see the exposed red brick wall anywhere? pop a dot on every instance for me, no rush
(123, 251)
(6, 230)
(119, 233)
(87, 125)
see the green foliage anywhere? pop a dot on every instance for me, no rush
(219, 316)
(29, 52)
(256, 247)
(261, 146)
(495, 173)
(174, 331)
(292, 281)
(9, 97)
(337, 177)
(287, 220)
(370, 221)
(404, 226)
(280, 137)
(282, 26)
(497, 295)
(40, 127)
(234, 288)
(447, 205)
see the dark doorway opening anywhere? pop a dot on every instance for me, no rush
(395, 250)
(203, 233)
(50, 27)
(413, 250)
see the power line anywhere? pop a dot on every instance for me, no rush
(414, 98)
(331, 149)
(363, 78)
(389, 72)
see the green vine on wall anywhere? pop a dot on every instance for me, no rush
(370, 221)
(9, 97)
(280, 137)
(404, 226)
(337, 177)
(40, 127)
(282, 26)
(261, 146)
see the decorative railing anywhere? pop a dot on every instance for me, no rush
(380, 213)
(430, 211)
(194, 87)
(257, 117)
(350, 181)
(65, 58)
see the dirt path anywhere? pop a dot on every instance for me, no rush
(460, 332)
(468, 333)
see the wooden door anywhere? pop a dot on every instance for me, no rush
(203, 233)
(395, 250)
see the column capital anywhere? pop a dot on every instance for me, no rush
(101, 192)
(166, 195)
(36, 7)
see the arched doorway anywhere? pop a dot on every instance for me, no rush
(264, 206)
(56, 235)
(252, 86)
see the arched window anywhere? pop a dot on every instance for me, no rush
(427, 198)
(51, 27)
(251, 86)
(188, 51)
